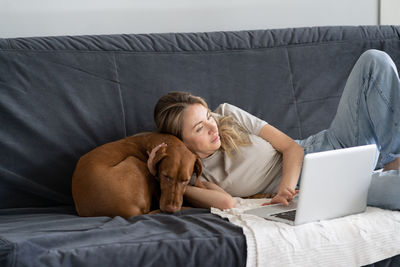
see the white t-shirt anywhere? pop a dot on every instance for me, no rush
(253, 169)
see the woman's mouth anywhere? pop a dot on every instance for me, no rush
(215, 139)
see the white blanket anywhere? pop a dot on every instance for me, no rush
(353, 240)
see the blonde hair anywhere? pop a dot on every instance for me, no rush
(168, 116)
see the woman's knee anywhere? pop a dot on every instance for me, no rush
(376, 57)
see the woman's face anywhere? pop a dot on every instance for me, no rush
(200, 131)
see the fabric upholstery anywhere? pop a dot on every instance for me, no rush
(62, 96)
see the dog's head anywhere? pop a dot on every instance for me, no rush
(176, 165)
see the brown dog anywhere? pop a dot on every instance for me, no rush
(114, 180)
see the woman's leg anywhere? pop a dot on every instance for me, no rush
(369, 112)
(384, 190)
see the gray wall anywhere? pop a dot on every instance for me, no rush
(19, 18)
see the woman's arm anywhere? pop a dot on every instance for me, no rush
(212, 196)
(292, 159)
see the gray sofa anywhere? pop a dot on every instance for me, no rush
(63, 96)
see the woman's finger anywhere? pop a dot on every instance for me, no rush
(284, 202)
(293, 192)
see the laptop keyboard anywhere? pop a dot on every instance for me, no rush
(287, 215)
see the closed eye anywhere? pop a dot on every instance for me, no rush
(166, 177)
(201, 127)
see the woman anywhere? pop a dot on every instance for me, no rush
(243, 155)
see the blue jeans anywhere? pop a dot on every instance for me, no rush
(368, 113)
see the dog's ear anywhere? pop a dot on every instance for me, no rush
(160, 154)
(198, 167)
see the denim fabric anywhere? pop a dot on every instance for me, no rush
(368, 113)
(384, 190)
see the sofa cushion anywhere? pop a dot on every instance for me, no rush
(58, 237)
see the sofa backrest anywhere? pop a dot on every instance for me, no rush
(62, 96)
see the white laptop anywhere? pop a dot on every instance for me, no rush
(333, 184)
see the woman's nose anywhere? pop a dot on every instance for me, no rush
(212, 128)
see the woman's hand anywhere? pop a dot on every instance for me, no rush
(152, 154)
(284, 196)
(292, 160)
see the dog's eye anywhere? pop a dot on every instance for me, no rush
(166, 178)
